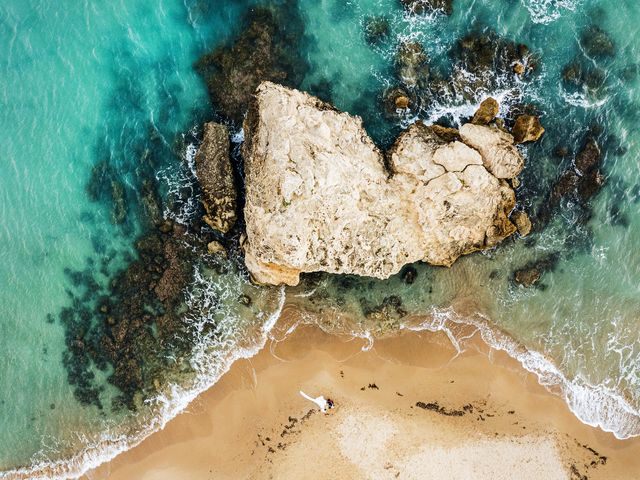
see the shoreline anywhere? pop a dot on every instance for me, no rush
(413, 382)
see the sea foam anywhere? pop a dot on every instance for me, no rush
(547, 11)
(595, 405)
(213, 356)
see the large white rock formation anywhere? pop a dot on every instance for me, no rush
(321, 197)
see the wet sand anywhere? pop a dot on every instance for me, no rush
(410, 407)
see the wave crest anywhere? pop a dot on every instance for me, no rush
(595, 405)
(547, 11)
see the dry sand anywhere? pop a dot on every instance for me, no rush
(481, 416)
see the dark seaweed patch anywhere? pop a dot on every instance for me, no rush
(435, 407)
(132, 325)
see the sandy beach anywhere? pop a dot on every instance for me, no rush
(409, 407)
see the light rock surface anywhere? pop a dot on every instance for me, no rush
(499, 154)
(319, 198)
(213, 169)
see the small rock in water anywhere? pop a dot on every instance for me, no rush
(522, 221)
(402, 102)
(215, 175)
(589, 157)
(518, 68)
(531, 273)
(527, 277)
(576, 74)
(394, 99)
(216, 247)
(411, 64)
(166, 226)
(486, 112)
(527, 129)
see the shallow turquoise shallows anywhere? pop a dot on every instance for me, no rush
(84, 84)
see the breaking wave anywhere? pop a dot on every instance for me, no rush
(595, 405)
(547, 11)
(214, 352)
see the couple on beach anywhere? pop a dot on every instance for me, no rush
(323, 404)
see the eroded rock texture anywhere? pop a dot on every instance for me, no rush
(320, 196)
(215, 175)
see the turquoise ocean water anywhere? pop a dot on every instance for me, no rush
(100, 100)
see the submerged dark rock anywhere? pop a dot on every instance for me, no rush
(105, 185)
(527, 276)
(376, 29)
(119, 211)
(487, 52)
(409, 274)
(582, 74)
(389, 311)
(582, 180)
(597, 43)
(561, 151)
(215, 175)
(531, 273)
(589, 157)
(266, 49)
(482, 61)
(133, 324)
(411, 64)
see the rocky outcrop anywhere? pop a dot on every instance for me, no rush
(319, 198)
(487, 112)
(527, 128)
(213, 169)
